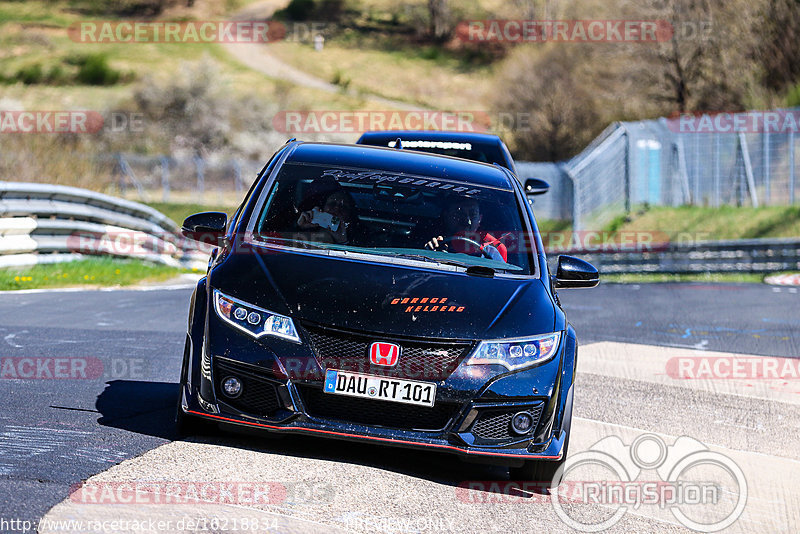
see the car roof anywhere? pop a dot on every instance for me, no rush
(430, 135)
(402, 161)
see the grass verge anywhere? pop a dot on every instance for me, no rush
(708, 224)
(88, 272)
(650, 278)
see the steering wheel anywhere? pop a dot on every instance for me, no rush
(474, 243)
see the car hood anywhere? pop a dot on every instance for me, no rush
(390, 299)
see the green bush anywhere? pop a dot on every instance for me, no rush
(300, 9)
(330, 10)
(120, 8)
(95, 70)
(430, 53)
(31, 74)
(793, 98)
(56, 76)
(340, 79)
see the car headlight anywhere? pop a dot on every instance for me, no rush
(516, 353)
(254, 320)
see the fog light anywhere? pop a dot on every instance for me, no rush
(522, 423)
(231, 386)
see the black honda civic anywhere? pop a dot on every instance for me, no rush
(385, 296)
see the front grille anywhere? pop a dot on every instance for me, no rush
(495, 425)
(422, 360)
(258, 397)
(376, 412)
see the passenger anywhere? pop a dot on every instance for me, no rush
(333, 222)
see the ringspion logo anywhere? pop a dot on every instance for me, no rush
(705, 490)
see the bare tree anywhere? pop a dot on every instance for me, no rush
(705, 64)
(553, 116)
(440, 24)
(779, 48)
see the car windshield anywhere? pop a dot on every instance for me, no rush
(392, 215)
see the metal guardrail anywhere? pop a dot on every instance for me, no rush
(42, 223)
(744, 256)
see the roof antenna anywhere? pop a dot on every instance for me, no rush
(398, 144)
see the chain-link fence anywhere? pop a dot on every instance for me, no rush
(187, 180)
(743, 159)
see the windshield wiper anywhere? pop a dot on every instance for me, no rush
(472, 269)
(423, 257)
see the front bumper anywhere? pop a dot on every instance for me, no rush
(542, 386)
(552, 449)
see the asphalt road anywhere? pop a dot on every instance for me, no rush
(57, 432)
(740, 318)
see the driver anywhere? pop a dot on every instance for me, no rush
(459, 231)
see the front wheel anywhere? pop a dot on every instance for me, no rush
(542, 471)
(187, 425)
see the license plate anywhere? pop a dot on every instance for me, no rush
(379, 387)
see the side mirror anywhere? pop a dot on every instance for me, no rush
(574, 272)
(535, 186)
(206, 227)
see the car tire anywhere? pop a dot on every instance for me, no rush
(187, 425)
(543, 470)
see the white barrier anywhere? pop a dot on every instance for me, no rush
(41, 223)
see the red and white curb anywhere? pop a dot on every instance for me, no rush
(783, 280)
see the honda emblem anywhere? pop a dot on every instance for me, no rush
(385, 354)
